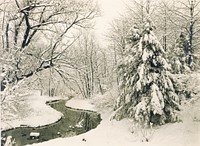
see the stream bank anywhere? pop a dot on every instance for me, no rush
(73, 122)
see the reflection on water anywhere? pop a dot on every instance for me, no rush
(72, 123)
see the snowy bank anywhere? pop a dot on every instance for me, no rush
(80, 104)
(32, 111)
(118, 133)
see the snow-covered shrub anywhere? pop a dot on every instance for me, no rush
(144, 72)
(143, 133)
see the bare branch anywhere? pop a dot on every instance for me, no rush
(17, 4)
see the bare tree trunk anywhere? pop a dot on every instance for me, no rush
(115, 63)
(49, 82)
(7, 36)
(165, 31)
(191, 33)
(148, 7)
(92, 73)
(87, 84)
(100, 87)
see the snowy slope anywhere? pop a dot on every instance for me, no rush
(118, 133)
(31, 110)
(184, 133)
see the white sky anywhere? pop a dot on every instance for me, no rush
(110, 9)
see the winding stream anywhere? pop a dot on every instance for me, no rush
(73, 122)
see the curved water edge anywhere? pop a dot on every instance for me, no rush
(73, 122)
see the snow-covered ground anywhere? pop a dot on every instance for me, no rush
(30, 110)
(81, 104)
(119, 133)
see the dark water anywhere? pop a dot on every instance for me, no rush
(73, 122)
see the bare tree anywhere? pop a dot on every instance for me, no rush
(86, 48)
(91, 66)
(118, 34)
(186, 16)
(37, 34)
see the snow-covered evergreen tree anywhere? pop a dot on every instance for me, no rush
(178, 55)
(148, 88)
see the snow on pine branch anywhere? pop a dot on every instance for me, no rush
(147, 85)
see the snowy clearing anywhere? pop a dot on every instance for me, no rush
(118, 133)
(134, 82)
